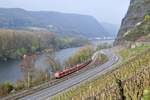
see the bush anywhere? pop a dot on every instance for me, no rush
(146, 95)
(39, 78)
(20, 84)
(20, 51)
(6, 88)
(103, 46)
(80, 56)
(147, 18)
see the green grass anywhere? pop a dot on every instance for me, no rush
(132, 52)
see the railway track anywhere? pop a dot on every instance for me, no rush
(55, 86)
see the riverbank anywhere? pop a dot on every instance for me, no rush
(56, 81)
(11, 67)
(10, 70)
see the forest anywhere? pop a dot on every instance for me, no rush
(13, 44)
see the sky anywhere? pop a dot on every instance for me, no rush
(109, 11)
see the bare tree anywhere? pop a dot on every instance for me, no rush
(53, 62)
(27, 66)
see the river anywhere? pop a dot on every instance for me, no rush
(10, 71)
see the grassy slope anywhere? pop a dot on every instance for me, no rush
(124, 71)
(139, 31)
(128, 53)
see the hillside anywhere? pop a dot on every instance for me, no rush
(140, 33)
(112, 29)
(15, 43)
(133, 22)
(126, 81)
(62, 23)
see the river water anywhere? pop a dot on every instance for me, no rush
(10, 71)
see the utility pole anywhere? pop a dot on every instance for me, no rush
(28, 79)
(39, 42)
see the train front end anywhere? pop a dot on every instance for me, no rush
(57, 75)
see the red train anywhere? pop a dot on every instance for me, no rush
(70, 70)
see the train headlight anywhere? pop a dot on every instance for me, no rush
(57, 74)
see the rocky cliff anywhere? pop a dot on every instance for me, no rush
(134, 17)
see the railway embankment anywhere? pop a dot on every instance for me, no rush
(97, 61)
(128, 80)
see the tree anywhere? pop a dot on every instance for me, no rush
(53, 62)
(27, 66)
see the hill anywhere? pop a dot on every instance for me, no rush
(62, 23)
(112, 29)
(133, 24)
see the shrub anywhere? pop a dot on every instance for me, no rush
(80, 56)
(6, 88)
(20, 84)
(103, 46)
(147, 18)
(146, 94)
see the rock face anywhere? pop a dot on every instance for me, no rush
(136, 12)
